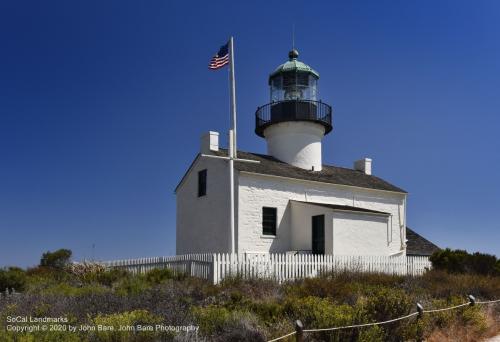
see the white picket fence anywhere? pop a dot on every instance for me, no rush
(279, 267)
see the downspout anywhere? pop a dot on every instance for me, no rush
(402, 223)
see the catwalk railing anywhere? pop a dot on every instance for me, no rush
(279, 267)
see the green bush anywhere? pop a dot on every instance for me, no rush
(109, 277)
(132, 285)
(12, 278)
(136, 319)
(386, 303)
(58, 259)
(268, 312)
(211, 318)
(372, 334)
(159, 275)
(459, 261)
(319, 312)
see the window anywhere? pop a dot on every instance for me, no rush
(269, 221)
(202, 183)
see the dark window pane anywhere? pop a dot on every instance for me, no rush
(269, 221)
(303, 79)
(318, 234)
(202, 183)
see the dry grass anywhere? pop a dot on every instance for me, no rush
(459, 332)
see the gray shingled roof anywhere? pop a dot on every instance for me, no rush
(418, 245)
(329, 174)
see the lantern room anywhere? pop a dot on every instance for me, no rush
(293, 80)
(295, 120)
(293, 97)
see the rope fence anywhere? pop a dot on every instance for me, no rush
(299, 328)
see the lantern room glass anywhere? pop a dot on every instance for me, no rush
(294, 86)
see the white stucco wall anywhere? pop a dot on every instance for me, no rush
(301, 228)
(203, 222)
(297, 143)
(360, 234)
(256, 191)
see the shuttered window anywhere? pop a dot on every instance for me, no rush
(269, 221)
(202, 183)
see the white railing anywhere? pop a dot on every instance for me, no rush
(279, 267)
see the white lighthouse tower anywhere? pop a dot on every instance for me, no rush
(295, 121)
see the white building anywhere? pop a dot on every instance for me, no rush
(289, 201)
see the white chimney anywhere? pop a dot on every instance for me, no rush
(364, 165)
(209, 142)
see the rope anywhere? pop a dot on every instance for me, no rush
(279, 338)
(489, 302)
(385, 322)
(445, 309)
(362, 325)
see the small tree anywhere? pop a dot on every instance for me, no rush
(451, 261)
(58, 259)
(459, 261)
(12, 278)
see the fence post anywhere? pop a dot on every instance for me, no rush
(420, 310)
(213, 269)
(299, 334)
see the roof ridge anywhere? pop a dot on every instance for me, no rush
(328, 165)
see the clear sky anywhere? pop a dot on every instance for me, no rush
(102, 104)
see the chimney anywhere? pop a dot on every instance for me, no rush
(209, 142)
(364, 165)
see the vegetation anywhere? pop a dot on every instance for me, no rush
(58, 259)
(459, 261)
(244, 310)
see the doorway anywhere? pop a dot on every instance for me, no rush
(318, 234)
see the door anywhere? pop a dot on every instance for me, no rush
(318, 234)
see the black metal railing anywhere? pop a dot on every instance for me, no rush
(294, 110)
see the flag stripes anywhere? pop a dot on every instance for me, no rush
(220, 59)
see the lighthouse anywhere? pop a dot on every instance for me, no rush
(287, 201)
(295, 120)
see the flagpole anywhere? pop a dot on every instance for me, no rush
(232, 144)
(233, 95)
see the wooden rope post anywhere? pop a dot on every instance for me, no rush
(299, 333)
(472, 300)
(420, 310)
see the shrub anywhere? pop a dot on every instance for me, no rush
(459, 261)
(268, 312)
(484, 264)
(224, 325)
(136, 319)
(58, 259)
(85, 271)
(241, 327)
(372, 334)
(159, 275)
(319, 312)
(385, 303)
(211, 319)
(12, 278)
(132, 285)
(109, 277)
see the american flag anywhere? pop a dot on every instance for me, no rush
(220, 59)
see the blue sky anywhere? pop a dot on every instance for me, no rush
(102, 104)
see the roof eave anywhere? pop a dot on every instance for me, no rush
(402, 192)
